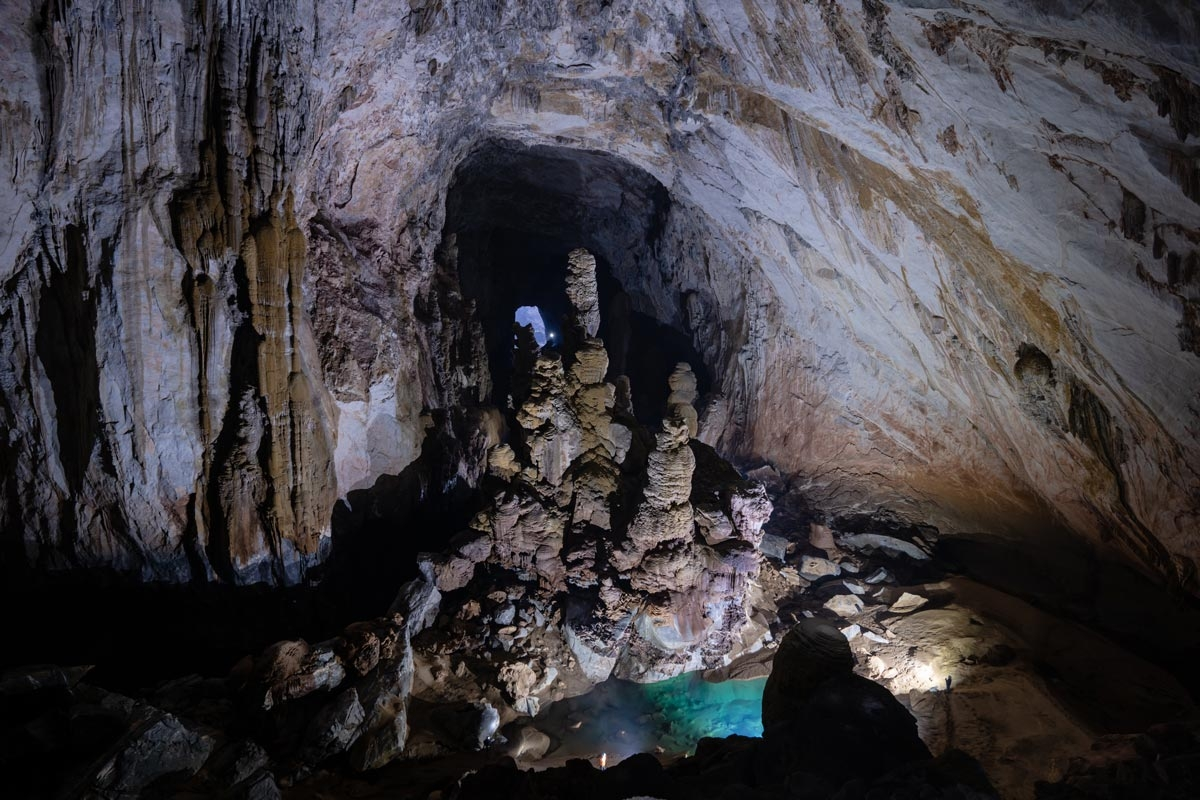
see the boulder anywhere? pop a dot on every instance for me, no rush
(907, 603)
(155, 746)
(334, 728)
(813, 568)
(845, 605)
(528, 744)
(811, 652)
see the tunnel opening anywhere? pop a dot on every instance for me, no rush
(513, 213)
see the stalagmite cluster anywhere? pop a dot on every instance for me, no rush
(602, 551)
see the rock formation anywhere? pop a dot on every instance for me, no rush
(934, 265)
(811, 653)
(591, 558)
(943, 258)
(582, 290)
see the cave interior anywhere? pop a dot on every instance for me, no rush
(583, 577)
(513, 217)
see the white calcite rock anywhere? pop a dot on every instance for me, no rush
(683, 395)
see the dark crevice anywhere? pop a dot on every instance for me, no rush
(1133, 216)
(66, 346)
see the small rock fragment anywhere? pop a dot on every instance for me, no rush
(845, 605)
(878, 576)
(907, 603)
(814, 568)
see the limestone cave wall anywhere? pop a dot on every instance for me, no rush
(938, 257)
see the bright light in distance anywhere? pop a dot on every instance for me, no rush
(531, 316)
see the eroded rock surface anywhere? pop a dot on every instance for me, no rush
(942, 257)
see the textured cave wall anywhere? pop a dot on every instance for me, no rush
(938, 257)
(163, 395)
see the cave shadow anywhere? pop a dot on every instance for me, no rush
(138, 634)
(1068, 578)
(379, 532)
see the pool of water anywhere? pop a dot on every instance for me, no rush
(621, 718)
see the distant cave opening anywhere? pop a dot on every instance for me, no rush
(513, 213)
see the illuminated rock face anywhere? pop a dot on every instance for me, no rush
(942, 259)
(593, 557)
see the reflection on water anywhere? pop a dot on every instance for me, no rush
(622, 718)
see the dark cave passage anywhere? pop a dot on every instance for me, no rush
(512, 216)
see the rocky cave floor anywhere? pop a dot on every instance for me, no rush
(1041, 705)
